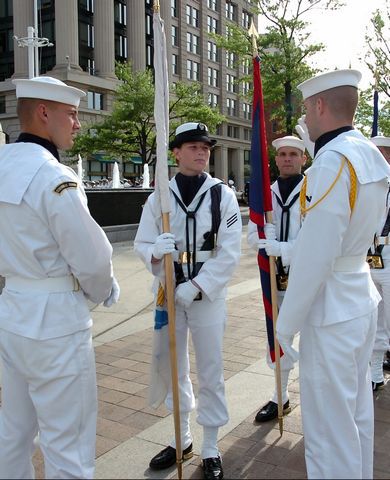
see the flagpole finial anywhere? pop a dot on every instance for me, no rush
(156, 6)
(253, 33)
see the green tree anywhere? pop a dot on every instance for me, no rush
(284, 50)
(364, 114)
(129, 130)
(378, 54)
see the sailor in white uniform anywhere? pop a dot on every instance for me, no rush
(53, 256)
(379, 255)
(290, 158)
(331, 298)
(206, 227)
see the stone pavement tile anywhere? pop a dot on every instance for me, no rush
(295, 459)
(104, 445)
(114, 430)
(123, 363)
(129, 375)
(250, 468)
(111, 396)
(113, 412)
(105, 369)
(119, 384)
(141, 420)
(282, 473)
(134, 402)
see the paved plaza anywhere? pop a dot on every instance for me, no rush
(129, 432)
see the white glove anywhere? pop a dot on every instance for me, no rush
(286, 341)
(164, 244)
(302, 131)
(270, 231)
(185, 293)
(114, 295)
(272, 247)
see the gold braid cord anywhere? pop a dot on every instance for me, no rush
(352, 193)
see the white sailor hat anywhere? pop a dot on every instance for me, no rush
(289, 141)
(328, 80)
(381, 141)
(191, 132)
(48, 88)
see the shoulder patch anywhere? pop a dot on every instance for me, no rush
(63, 186)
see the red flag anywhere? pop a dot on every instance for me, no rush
(260, 200)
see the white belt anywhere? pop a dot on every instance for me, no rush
(383, 240)
(201, 255)
(67, 283)
(355, 263)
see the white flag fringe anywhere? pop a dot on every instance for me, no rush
(161, 113)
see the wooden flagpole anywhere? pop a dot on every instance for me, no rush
(161, 114)
(274, 298)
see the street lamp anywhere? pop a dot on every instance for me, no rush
(33, 42)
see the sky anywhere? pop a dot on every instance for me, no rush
(342, 32)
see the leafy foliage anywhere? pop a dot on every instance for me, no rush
(129, 130)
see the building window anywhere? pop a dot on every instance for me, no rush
(193, 70)
(247, 111)
(233, 132)
(192, 15)
(231, 85)
(120, 46)
(212, 5)
(247, 134)
(120, 13)
(192, 43)
(175, 37)
(231, 11)
(2, 104)
(213, 77)
(87, 34)
(91, 66)
(175, 64)
(231, 106)
(95, 100)
(148, 25)
(212, 24)
(174, 8)
(246, 19)
(212, 52)
(246, 86)
(230, 59)
(245, 66)
(86, 5)
(6, 8)
(213, 99)
(149, 56)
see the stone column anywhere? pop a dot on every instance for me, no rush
(221, 163)
(23, 18)
(67, 35)
(136, 45)
(238, 168)
(104, 38)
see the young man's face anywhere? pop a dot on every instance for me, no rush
(289, 161)
(63, 124)
(192, 157)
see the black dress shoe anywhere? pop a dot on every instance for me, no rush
(212, 468)
(167, 457)
(388, 354)
(270, 411)
(377, 386)
(386, 364)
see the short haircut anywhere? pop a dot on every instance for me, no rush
(26, 107)
(341, 101)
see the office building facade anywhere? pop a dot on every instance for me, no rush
(88, 36)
